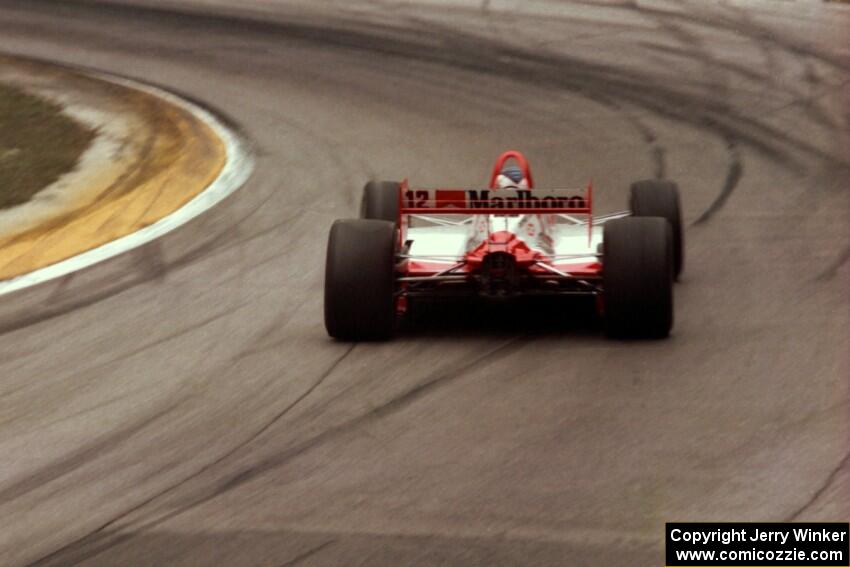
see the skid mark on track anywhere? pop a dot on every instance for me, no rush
(747, 27)
(843, 464)
(307, 554)
(102, 538)
(657, 152)
(106, 289)
(433, 44)
(693, 48)
(733, 176)
(82, 456)
(107, 525)
(387, 408)
(832, 270)
(82, 376)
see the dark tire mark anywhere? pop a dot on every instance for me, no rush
(493, 57)
(46, 560)
(307, 554)
(843, 465)
(733, 176)
(101, 539)
(832, 270)
(80, 457)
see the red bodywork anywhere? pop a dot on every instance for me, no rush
(455, 201)
(527, 268)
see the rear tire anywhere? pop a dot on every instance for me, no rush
(660, 198)
(380, 201)
(637, 278)
(359, 280)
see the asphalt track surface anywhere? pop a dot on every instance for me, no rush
(181, 404)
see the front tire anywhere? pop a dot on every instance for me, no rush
(360, 280)
(380, 201)
(660, 198)
(637, 278)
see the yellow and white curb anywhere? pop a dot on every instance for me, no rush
(85, 246)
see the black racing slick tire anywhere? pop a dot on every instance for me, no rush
(359, 280)
(380, 201)
(660, 198)
(637, 278)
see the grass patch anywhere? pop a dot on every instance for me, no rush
(38, 143)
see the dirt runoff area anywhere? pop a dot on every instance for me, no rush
(38, 144)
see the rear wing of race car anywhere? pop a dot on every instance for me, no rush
(495, 202)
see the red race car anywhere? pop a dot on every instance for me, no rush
(506, 241)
